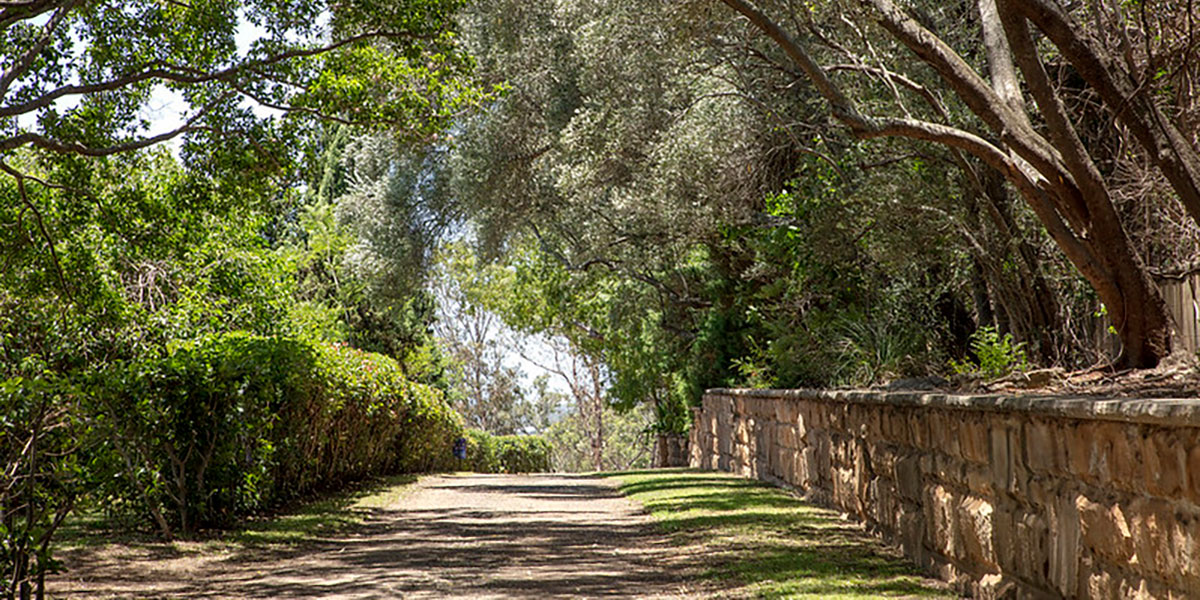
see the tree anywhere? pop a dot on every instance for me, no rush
(1046, 161)
(76, 74)
(486, 391)
(642, 157)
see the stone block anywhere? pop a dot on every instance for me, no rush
(807, 468)
(914, 535)
(1081, 449)
(1162, 461)
(1138, 588)
(909, 479)
(1004, 532)
(941, 437)
(884, 509)
(1041, 491)
(979, 480)
(941, 508)
(1031, 548)
(824, 455)
(1104, 529)
(899, 427)
(919, 425)
(975, 531)
(1120, 464)
(949, 469)
(1150, 522)
(1000, 457)
(785, 411)
(1064, 547)
(845, 491)
(973, 439)
(1193, 474)
(884, 457)
(1100, 584)
(802, 423)
(815, 413)
(874, 419)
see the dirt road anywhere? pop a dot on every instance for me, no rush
(455, 536)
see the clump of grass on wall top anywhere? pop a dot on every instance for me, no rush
(995, 355)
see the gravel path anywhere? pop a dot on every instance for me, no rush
(454, 536)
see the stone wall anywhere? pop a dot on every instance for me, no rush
(1006, 497)
(671, 450)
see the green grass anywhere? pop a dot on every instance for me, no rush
(759, 541)
(325, 515)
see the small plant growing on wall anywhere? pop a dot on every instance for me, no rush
(995, 355)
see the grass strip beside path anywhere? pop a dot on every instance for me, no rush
(303, 521)
(755, 540)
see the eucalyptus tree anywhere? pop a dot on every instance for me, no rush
(1024, 128)
(707, 224)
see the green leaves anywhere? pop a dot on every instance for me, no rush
(995, 355)
(233, 424)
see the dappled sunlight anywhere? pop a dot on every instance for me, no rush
(761, 541)
(460, 535)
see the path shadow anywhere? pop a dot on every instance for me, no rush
(510, 551)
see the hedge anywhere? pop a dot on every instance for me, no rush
(487, 453)
(233, 424)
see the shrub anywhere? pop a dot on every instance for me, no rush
(42, 477)
(996, 355)
(487, 453)
(233, 424)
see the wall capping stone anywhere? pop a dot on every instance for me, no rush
(1174, 412)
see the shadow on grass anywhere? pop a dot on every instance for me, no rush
(775, 545)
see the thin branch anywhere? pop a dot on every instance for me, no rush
(37, 215)
(12, 11)
(61, 147)
(166, 71)
(22, 64)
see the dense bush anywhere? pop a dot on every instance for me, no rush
(235, 423)
(42, 476)
(487, 453)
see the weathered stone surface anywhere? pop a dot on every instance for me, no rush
(979, 481)
(1040, 450)
(1151, 521)
(1105, 529)
(1163, 462)
(940, 506)
(1001, 459)
(1080, 446)
(973, 440)
(909, 481)
(975, 529)
(1193, 474)
(1064, 547)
